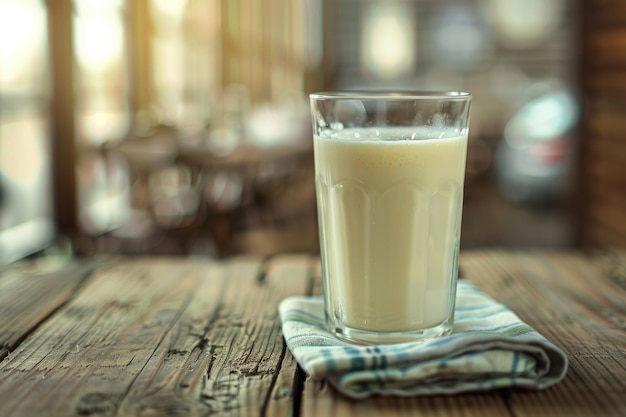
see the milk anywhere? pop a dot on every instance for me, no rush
(389, 207)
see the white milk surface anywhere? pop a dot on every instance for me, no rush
(389, 204)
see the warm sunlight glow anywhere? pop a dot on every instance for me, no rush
(22, 26)
(388, 46)
(525, 23)
(22, 160)
(98, 41)
(175, 9)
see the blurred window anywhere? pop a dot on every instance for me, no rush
(181, 68)
(102, 113)
(26, 219)
(460, 38)
(525, 23)
(169, 57)
(388, 45)
(494, 48)
(99, 43)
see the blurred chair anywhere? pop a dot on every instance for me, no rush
(258, 200)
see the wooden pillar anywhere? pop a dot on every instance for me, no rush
(602, 185)
(140, 64)
(62, 107)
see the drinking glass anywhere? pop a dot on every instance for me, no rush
(390, 168)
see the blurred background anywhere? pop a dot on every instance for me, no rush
(182, 127)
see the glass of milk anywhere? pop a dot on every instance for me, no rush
(389, 181)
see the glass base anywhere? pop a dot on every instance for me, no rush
(364, 337)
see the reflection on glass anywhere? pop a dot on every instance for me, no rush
(388, 40)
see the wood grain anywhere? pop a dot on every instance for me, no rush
(569, 301)
(165, 337)
(567, 298)
(157, 337)
(601, 236)
(31, 292)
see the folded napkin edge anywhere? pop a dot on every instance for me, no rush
(314, 358)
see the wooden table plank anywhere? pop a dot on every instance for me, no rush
(567, 299)
(31, 292)
(161, 337)
(199, 337)
(320, 400)
(88, 355)
(286, 395)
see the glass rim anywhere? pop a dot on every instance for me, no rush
(391, 95)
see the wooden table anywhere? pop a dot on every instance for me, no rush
(168, 337)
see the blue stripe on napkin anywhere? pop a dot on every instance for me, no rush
(489, 348)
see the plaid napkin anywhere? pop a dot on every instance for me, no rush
(489, 348)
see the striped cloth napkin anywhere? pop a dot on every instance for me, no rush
(489, 348)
